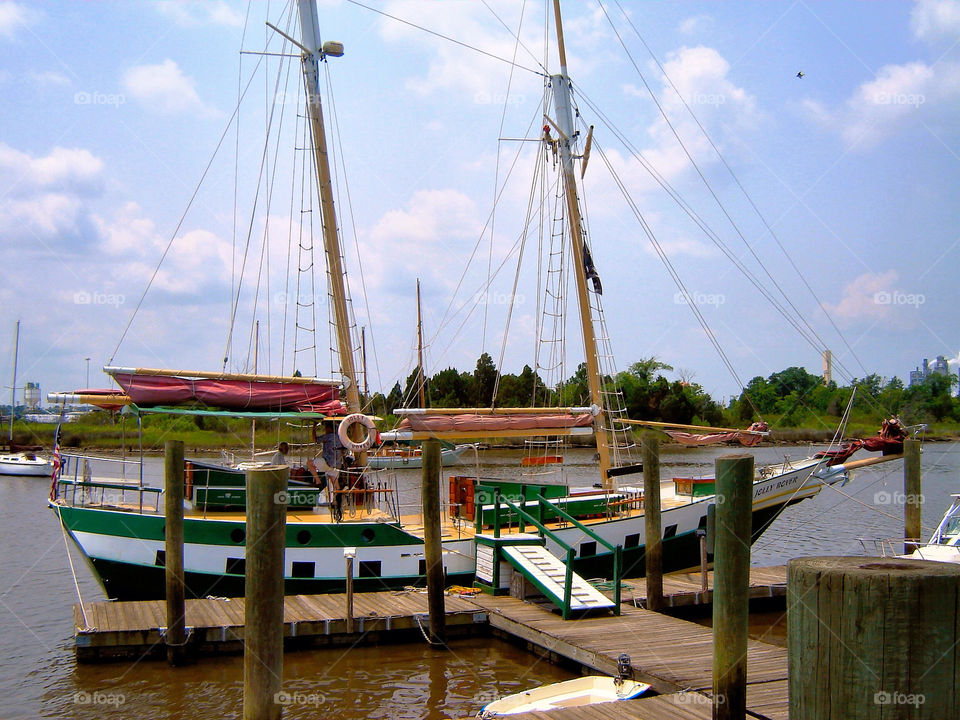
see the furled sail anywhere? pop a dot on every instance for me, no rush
(748, 438)
(149, 388)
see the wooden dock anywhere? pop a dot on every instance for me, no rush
(673, 655)
(683, 589)
(114, 630)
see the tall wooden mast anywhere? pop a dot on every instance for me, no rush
(563, 107)
(313, 54)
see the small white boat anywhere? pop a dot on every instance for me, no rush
(944, 545)
(587, 690)
(24, 463)
(398, 458)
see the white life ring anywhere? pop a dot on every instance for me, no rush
(343, 432)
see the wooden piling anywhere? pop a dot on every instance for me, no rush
(731, 583)
(430, 497)
(263, 641)
(349, 554)
(176, 636)
(872, 638)
(653, 534)
(704, 563)
(912, 495)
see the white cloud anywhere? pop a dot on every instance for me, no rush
(45, 197)
(684, 246)
(49, 78)
(695, 24)
(46, 217)
(933, 19)
(434, 225)
(13, 17)
(164, 88)
(453, 68)
(192, 14)
(874, 297)
(700, 75)
(72, 169)
(900, 94)
(897, 96)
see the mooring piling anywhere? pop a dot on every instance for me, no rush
(263, 639)
(176, 635)
(731, 582)
(653, 534)
(430, 497)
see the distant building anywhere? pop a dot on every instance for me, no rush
(920, 374)
(31, 395)
(827, 367)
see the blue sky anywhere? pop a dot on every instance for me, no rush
(112, 111)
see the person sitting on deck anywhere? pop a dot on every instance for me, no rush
(280, 456)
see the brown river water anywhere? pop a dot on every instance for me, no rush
(40, 678)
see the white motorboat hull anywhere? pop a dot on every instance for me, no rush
(589, 690)
(20, 464)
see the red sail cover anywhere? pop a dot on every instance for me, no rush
(495, 423)
(151, 390)
(746, 438)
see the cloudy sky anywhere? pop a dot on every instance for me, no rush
(112, 112)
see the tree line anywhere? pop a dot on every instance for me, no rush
(789, 398)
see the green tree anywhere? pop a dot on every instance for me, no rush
(484, 377)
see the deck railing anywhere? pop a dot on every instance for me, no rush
(543, 503)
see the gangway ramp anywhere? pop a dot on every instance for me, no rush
(549, 574)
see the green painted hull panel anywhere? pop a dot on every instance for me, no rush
(233, 532)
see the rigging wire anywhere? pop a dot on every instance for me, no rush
(496, 182)
(264, 271)
(816, 341)
(748, 197)
(183, 217)
(444, 37)
(236, 161)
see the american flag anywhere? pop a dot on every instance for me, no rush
(54, 476)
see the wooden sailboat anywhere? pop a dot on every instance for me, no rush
(599, 531)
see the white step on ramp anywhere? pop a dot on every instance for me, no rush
(549, 574)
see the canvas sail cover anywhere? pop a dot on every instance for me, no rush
(230, 394)
(748, 438)
(494, 423)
